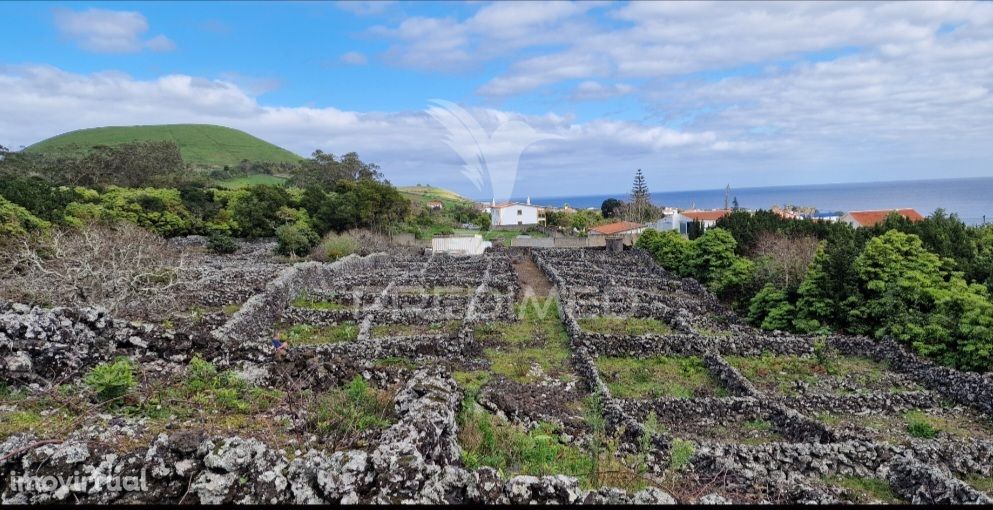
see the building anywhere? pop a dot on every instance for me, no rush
(707, 219)
(619, 228)
(869, 218)
(830, 217)
(436, 205)
(512, 213)
(460, 245)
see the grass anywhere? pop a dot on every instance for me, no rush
(538, 338)
(306, 334)
(396, 361)
(782, 373)
(614, 325)
(862, 489)
(436, 328)
(304, 301)
(919, 425)
(680, 453)
(661, 376)
(435, 291)
(983, 483)
(200, 144)
(231, 309)
(251, 180)
(916, 423)
(346, 412)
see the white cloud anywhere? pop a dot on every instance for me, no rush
(160, 43)
(592, 90)
(365, 8)
(42, 101)
(106, 31)
(354, 58)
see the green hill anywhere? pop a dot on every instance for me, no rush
(200, 144)
(427, 193)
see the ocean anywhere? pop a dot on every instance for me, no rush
(971, 199)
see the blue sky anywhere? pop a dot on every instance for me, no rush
(696, 94)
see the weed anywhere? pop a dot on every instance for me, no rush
(864, 490)
(111, 381)
(662, 376)
(624, 325)
(344, 412)
(919, 426)
(306, 334)
(680, 453)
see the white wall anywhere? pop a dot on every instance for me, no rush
(509, 215)
(460, 245)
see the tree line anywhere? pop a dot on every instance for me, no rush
(144, 183)
(926, 284)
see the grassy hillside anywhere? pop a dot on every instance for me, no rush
(200, 144)
(424, 194)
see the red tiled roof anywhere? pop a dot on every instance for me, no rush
(615, 228)
(870, 218)
(705, 215)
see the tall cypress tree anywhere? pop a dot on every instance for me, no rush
(640, 200)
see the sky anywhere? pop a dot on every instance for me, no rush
(577, 96)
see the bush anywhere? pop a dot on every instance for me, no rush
(111, 381)
(221, 244)
(918, 425)
(342, 413)
(334, 246)
(295, 239)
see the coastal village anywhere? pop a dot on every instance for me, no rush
(531, 220)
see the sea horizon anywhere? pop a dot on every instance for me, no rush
(971, 198)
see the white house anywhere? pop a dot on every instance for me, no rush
(512, 213)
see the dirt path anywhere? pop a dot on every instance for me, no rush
(530, 276)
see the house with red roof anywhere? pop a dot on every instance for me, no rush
(859, 219)
(618, 228)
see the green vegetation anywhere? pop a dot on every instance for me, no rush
(251, 180)
(538, 338)
(395, 361)
(615, 325)
(200, 144)
(862, 489)
(342, 413)
(112, 381)
(305, 301)
(783, 373)
(927, 283)
(919, 426)
(680, 453)
(662, 376)
(306, 334)
(983, 483)
(436, 328)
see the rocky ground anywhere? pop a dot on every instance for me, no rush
(437, 379)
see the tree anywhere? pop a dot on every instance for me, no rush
(640, 206)
(782, 260)
(770, 309)
(712, 262)
(326, 172)
(255, 210)
(668, 248)
(611, 208)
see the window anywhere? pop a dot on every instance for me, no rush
(520, 212)
(519, 222)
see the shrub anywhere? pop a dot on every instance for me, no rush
(221, 244)
(918, 425)
(334, 246)
(295, 239)
(680, 453)
(111, 381)
(342, 413)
